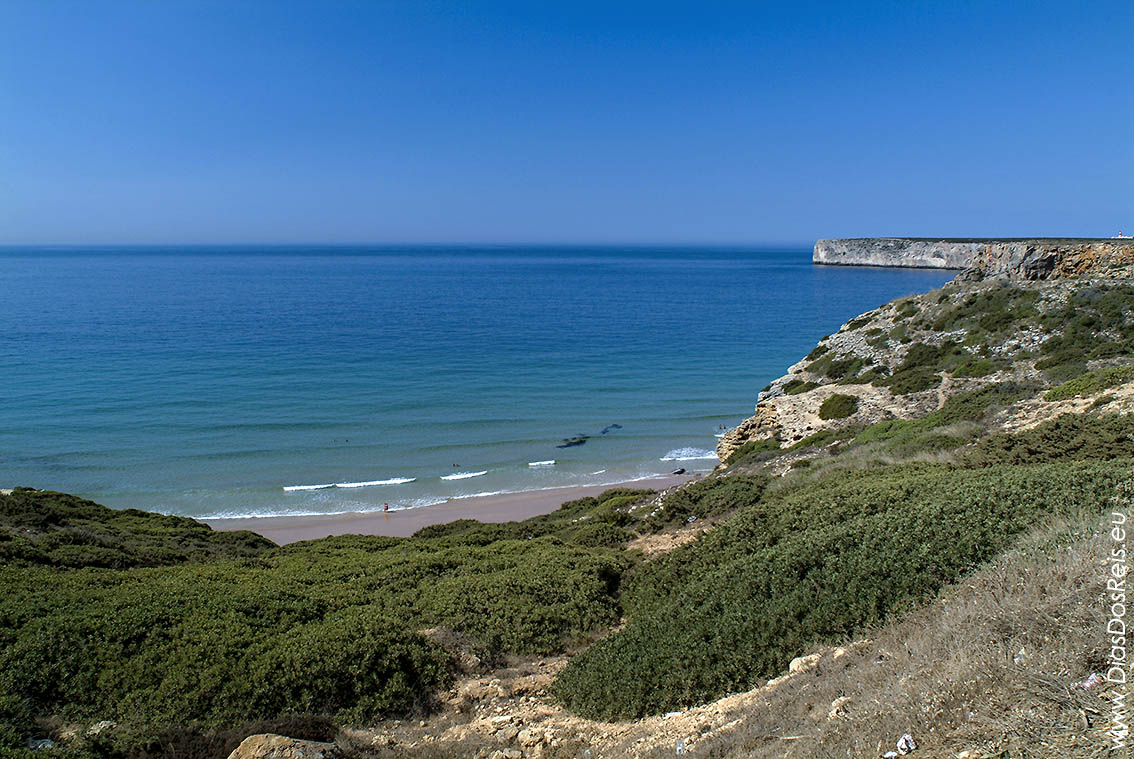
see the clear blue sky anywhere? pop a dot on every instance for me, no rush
(275, 121)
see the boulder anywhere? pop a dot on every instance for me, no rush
(804, 663)
(508, 753)
(838, 707)
(507, 734)
(267, 746)
(529, 737)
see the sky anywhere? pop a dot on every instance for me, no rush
(171, 121)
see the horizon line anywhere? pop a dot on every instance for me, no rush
(417, 244)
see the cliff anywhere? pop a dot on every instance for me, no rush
(905, 359)
(1018, 259)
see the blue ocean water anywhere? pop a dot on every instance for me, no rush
(234, 381)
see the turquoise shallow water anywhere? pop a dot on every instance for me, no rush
(229, 381)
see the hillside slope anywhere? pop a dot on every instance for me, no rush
(912, 448)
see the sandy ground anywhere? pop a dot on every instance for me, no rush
(509, 507)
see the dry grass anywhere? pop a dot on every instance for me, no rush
(990, 667)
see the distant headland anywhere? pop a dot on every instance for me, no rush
(1014, 258)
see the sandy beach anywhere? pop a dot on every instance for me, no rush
(508, 507)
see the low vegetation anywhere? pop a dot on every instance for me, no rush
(812, 565)
(979, 670)
(185, 636)
(328, 627)
(838, 406)
(754, 451)
(1092, 383)
(60, 530)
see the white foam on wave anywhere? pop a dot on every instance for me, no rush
(601, 471)
(361, 509)
(688, 454)
(463, 475)
(392, 481)
(549, 462)
(489, 493)
(368, 484)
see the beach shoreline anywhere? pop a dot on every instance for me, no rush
(504, 507)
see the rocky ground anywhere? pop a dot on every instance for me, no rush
(857, 360)
(509, 714)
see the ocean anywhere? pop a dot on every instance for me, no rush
(256, 381)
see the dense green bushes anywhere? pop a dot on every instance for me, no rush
(753, 451)
(326, 627)
(1075, 437)
(56, 529)
(1095, 323)
(586, 521)
(708, 498)
(909, 436)
(838, 406)
(1091, 383)
(797, 386)
(992, 310)
(811, 565)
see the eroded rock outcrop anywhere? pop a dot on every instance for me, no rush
(905, 359)
(268, 746)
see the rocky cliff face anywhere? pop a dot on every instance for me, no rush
(1054, 259)
(906, 358)
(1031, 259)
(895, 251)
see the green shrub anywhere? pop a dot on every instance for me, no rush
(1074, 437)
(974, 367)
(838, 406)
(327, 626)
(1084, 328)
(16, 722)
(814, 565)
(817, 351)
(570, 522)
(797, 386)
(821, 365)
(56, 529)
(910, 381)
(1102, 400)
(753, 450)
(1092, 382)
(844, 367)
(906, 310)
(918, 370)
(824, 438)
(992, 310)
(709, 498)
(909, 436)
(1062, 373)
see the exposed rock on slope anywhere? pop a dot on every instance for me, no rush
(906, 358)
(266, 746)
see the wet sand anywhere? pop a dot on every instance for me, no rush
(508, 507)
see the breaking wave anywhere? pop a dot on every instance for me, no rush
(463, 475)
(688, 454)
(368, 484)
